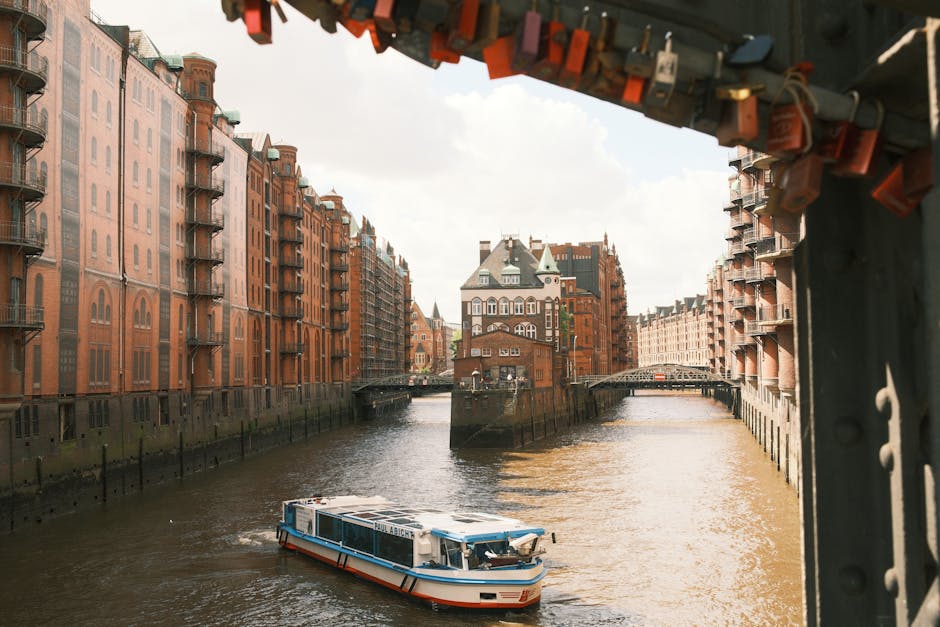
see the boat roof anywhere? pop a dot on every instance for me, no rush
(380, 513)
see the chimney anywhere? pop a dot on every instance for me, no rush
(484, 250)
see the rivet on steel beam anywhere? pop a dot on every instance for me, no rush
(886, 456)
(852, 580)
(847, 431)
(891, 582)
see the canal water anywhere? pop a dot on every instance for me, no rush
(665, 510)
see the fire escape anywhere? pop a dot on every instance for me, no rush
(290, 281)
(339, 298)
(24, 130)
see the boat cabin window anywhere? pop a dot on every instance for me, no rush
(451, 553)
(357, 537)
(329, 527)
(493, 553)
(394, 548)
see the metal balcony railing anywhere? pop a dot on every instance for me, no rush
(294, 213)
(30, 185)
(21, 316)
(339, 267)
(741, 220)
(32, 67)
(292, 348)
(754, 328)
(780, 245)
(339, 287)
(754, 198)
(204, 253)
(204, 182)
(23, 236)
(205, 217)
(741, 302)
(339, 326)
(737, 248)
(32, 123)
(292, 285)
(206, 288)
(291, 260)
(292, 236)
(340, 247)
(294, 311)
(742, 339)
(206, 338)
(34, 15)
(204, 147)
(340, 306)
(781, 313)
(758, 274)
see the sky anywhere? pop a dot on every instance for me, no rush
(439, 160)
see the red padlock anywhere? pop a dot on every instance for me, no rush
(577, 53)
(257, 16)
(789, 128)
(862, 149)
(890, 192)
(801, 183)
(738, 123)
(835, 135)
(440, 50)
(466, 29)
(498, 57)
(556, 34)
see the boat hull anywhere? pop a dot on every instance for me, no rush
(500, 589)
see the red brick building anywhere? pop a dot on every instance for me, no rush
(504, 359)
(430, 341)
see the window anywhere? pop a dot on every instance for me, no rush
(149, 261)
(484, 279)
(94, 243)
(148, 212)
(136, 257)
(476, 307)
(514, 351)
(491, 307)
(94, 103)
(518, 306)
(503, 307)
(136, 176)
(108, 113)
(394, 548)
(149, 140)
(476, 330)
(107, 202)
(531, 306)
(136, 132)
(357, 537)
(135, 214)
(94, 150)
(487, 352)
(504, 352)
(329, 527)
(94, 197)
(149, 179)
(107, 246)
(107, 159)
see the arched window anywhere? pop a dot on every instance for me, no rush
(94, 102)
(107, 159)
(94, 197)
(135, 214)
(107, 202)
(520, 328)
(136, 256)
(136, 171)
(476, 330)
(94, 312)
(101, 307)
(531, 306)
(491, 307)
(107, 109)
(94, 150)
(136, 132)
(107, 246)
(518, 306)
(149, 260)
(43, 223)
(181, 320)
(94, 243)
(503, 307)
(476, 307)
(37, 291)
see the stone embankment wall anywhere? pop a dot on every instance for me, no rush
(51, 478)
(505, 418)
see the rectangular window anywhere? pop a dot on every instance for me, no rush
(394, 548)
(37, 365)
(514, 351)
(487, 352)
(504, 352)
(329, 527)
(67, 422)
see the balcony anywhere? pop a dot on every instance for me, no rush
(14, 316)
(206, 338)
(30, 239)
(205, 148)
(291, 260)
(291, 285)
(735, 275)
(30, 185)
(292, 348)
(204, 253)
(341, 287)
(339, 267)
(754, 198)
(737, 248)
(293, 311)
(32, 16)
(758, 274)
(339, 326)
(741, 220)
(292, 213)
(742, 302)
(340, 354)
(755, 159)
(31, 124)
(31, 68)
(205, 183)
(779, 314)
(206, 289)
(340, 247)
(339, 306)
(754, 328)
(205, 218)
(292, 236)
(742, 340)
(778, 246)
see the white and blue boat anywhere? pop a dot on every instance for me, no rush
(460, 559)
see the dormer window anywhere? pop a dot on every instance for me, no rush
(484, 277)
(510, 275)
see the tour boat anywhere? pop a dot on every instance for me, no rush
(460, 559)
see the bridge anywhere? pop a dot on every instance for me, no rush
(419, 384)
(661, 376)
(866, 281)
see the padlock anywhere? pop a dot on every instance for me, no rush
(593, 64)
(739, 123)
(862, 149)
(610, 83)
(789, 128)
(381, 39)
(355, 27)
(257, 17)
(708, 107)
(328, 14)
(663, 81)
(918, 173)
(528, 39)
(384, 15)
(890, 192)
(440, 51)
(415, 44)
(498, 57)
(835, 134)
(431, 14)
(639, 67)
(465, 30)
(578, 45)
(553, 44)
(487, 26)
(801, 183)
(678, 111)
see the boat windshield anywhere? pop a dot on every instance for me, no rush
(490, 554)
(452, 553)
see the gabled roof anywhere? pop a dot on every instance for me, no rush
(517, 259)
(436, 313)
(547, 263)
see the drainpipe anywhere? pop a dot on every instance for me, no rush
(122, 266)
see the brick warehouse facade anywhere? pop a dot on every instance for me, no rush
(173, 283)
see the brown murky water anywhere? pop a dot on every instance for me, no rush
(666, 513)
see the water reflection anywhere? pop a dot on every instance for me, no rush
(666, 513)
